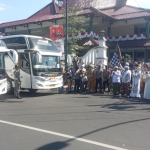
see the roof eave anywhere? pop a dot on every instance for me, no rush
(101, 13)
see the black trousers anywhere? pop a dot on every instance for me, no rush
(84, 86)
(116, 88)
(77, 85)
(106, 82)
(98, 82)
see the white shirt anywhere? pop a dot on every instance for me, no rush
(148, 64)
(102, 65)
(126, 76)
(80, 64)
(116, 75)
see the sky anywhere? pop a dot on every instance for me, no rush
(11, 10)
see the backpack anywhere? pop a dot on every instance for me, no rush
(69, 75)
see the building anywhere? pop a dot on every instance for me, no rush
(125, 24)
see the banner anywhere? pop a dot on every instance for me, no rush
(56, 32)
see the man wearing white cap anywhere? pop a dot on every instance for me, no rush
(126, 78)
(121, 67)
(116, 75)
(126, 64)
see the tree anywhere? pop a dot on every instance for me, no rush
(74, 23)
(127, 58)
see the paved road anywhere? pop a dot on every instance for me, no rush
(73, 122)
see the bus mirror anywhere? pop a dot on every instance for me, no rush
(39, 58)
(2, 43)
(15, 57)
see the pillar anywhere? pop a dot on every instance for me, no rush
(90, 56)
(29, 31)
(2, 30)
(93, 56)
(91, 23)
(146, 55)
(108, 55)
(109, 31)
(147, 30)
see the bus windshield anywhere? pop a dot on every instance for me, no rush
(42, 44)
(49, 64)
(15, 43)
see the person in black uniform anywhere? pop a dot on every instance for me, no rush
(17, 82)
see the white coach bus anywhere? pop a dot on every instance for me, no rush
(38, 59)
(3, 78)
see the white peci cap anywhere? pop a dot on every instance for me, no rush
(127, 64)
(84, 69)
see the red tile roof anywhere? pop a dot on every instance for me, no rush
(52, 12)
(49, 12)
(126, 12)
(79, 3)
(43, 12)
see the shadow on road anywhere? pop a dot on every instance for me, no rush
(80, 97)
(8, 101)
(54, 146)
(25, 94)
(62, 145)
(37, 94)
(128, 104)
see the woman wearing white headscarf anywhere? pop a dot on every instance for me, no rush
(147, 86)
(136, 76)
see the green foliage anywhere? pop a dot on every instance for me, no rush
(127, 57)
(74, 23)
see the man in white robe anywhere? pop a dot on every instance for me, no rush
(147, 86)
(136, 75)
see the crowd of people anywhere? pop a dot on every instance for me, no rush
(130, 79)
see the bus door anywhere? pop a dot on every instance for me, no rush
(3, 80)
(25, 71)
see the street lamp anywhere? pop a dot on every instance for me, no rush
(102, 33)
(60, 3)
(102, 40)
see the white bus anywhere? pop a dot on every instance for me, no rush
(38, 59)
(3, 78)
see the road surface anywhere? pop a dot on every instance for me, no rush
(47, 121)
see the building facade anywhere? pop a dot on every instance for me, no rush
(123, 24)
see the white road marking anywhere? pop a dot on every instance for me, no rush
(63, 135)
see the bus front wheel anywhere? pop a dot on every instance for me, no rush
(10, 89)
